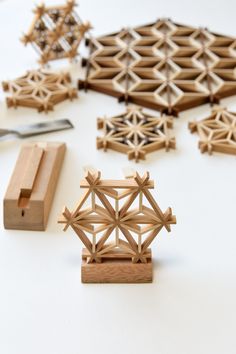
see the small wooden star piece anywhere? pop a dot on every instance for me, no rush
(135, 133)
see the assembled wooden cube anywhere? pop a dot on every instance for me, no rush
(32, 186)
(117, 220)
(56, 31)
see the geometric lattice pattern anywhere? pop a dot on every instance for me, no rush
(56, 32)
(136, 133)
(217, 132)
(117, 218)
(39, 89)
(163, 65)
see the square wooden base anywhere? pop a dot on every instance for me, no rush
(116, 271)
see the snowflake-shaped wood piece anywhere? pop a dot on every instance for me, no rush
(56, 32)
(135, 133)
(39, 89)
(120, 220)
(217, 132)
(164, 65)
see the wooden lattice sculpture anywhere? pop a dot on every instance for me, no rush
(117, 227)
(39, 89)
(217, 132)
(135, 133)
(56, 32)
(163, 65)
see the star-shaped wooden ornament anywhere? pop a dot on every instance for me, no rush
(39, 89)
(163, 65)
(136, 133)
(56, 32)
(217, 132)
(117, 220)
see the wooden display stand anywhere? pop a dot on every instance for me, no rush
(31, 189)
(117, 227)
(115, 270)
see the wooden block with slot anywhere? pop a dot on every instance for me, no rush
(29, 196)
(115, 270)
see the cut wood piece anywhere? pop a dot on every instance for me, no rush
(30, 193)
(117, 220)
(56, 32)
(163, 65)
(113, 270)
(136, 133)
(217, 132)
(31, 171)
(39, 89)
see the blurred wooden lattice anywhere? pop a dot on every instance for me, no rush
(121, 218)
(217, 132)
(135, 133)
(163, 65)
(56, 32)
(39, 89)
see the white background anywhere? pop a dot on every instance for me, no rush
(190, 307)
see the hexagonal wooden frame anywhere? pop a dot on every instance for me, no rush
(164, 65)
(117, 220)
(136, 133)
(39, 89)
(217, 132)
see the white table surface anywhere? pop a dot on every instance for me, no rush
(190, 307)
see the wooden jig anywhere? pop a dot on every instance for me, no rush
(30, 193)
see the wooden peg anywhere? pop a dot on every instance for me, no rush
(31, 170)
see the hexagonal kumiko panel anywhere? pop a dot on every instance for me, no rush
(136, 133)
(117, 218)
(217, 132)
(163, 65)
(56, 31)
(39, 89)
